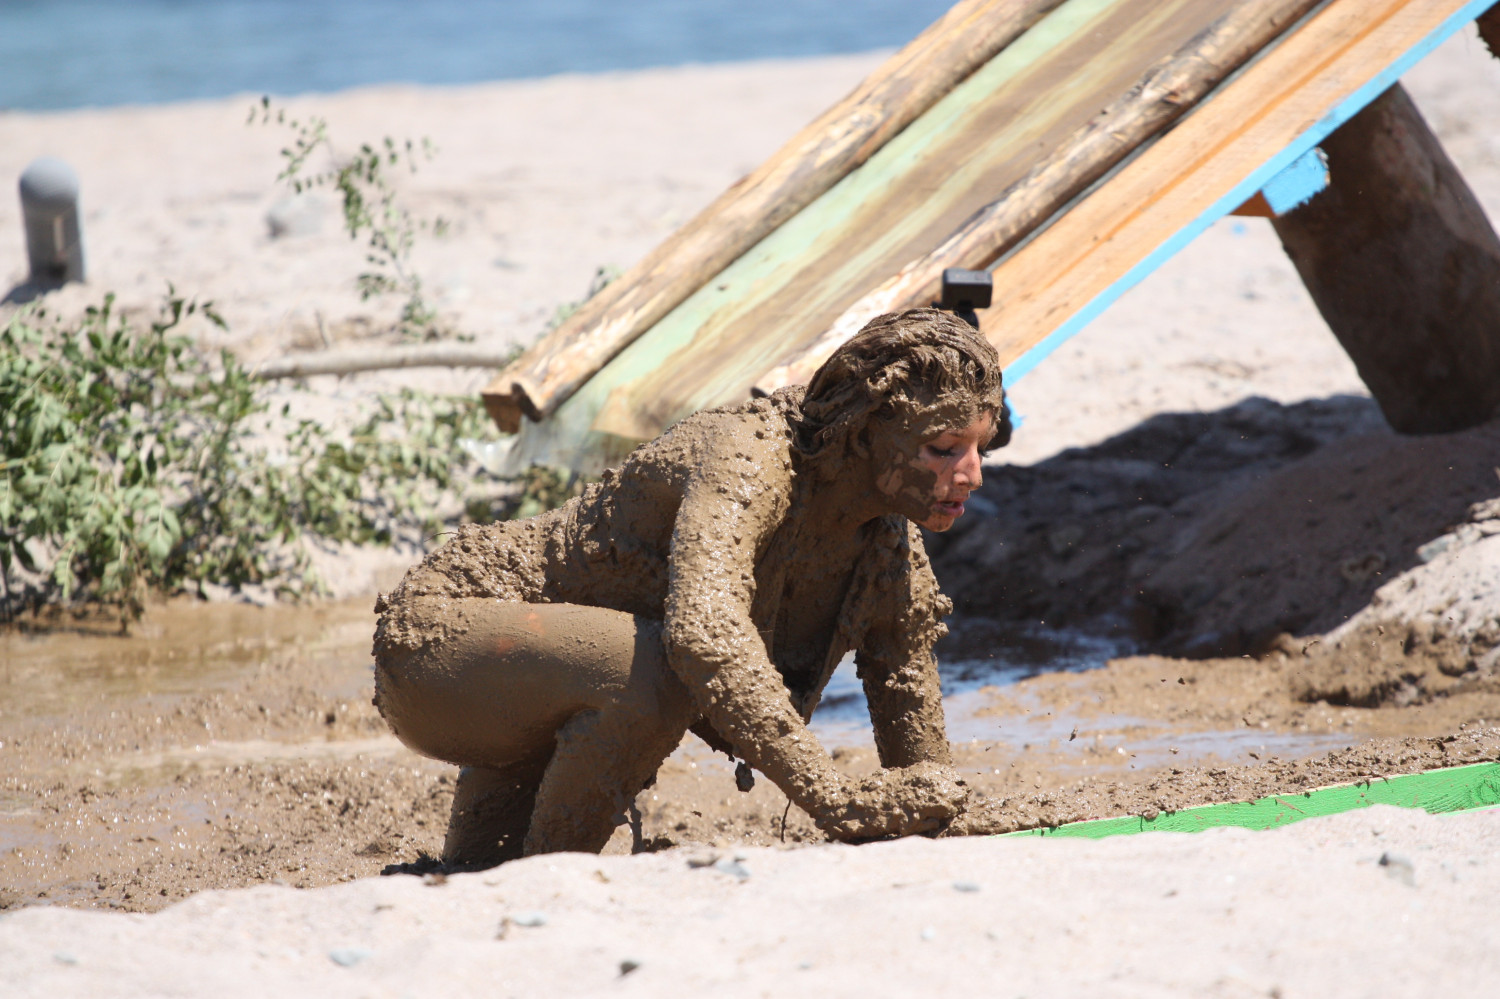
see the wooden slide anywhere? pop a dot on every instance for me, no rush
(1070, 146)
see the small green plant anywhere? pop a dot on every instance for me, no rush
(370, 208)
(130, 461)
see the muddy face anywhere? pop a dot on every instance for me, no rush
(927, 476)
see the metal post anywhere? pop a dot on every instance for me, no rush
(49, 206)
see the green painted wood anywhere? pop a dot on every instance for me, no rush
(927, 179)
(1454, 789)
(984, 136)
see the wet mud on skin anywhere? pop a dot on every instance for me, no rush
(763, 564)
(229, 746)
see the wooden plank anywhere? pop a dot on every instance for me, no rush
(984, 137)
(568, 437)
(1278, 109)
(1171, 87)
(1405, 267)
(1437, 792)
(845, 136)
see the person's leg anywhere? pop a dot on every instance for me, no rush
(491, 813)
(513, 686)
(603, 760)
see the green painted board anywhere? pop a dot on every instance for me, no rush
(1454, 789)
(908, 197)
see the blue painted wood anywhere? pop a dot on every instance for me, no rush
(1240, 193)
(1295, 186)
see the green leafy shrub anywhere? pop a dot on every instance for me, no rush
(130, 461)
(370, 208)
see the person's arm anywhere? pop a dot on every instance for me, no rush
(896, 664)
(731, 506)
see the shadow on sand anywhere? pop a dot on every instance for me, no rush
(1208, 534)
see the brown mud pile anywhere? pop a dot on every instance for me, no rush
(225, 746)
(1204, 534)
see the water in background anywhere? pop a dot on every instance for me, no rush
(76, 53)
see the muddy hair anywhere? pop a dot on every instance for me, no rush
(900, 366)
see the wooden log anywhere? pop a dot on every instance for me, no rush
(812, 162)
(978, 141)
(1489, 29)
(351, 361)
(1405, 267)
(1151, 207)
(1172, 86)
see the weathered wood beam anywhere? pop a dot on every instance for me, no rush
(813, 161)
(1171, 87)
(1489, 29)
(1405, 267)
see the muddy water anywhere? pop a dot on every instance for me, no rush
(1022, 720)
(194, 751)
(179, 648)
(223, 746)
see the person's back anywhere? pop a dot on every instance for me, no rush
(610, 546)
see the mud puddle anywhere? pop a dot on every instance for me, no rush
(225, 746)
(1022, 720)
(183, 647)
(842, 717)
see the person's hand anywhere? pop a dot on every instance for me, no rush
(916, 799)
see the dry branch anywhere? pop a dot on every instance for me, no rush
(348, 362)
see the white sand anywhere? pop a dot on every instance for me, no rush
(1304, 911)
(544, 181)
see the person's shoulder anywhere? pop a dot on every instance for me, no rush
(757, 431)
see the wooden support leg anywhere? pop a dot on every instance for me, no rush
(1489, 29)
(1405, 267)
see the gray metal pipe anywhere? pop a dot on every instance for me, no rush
(54, 238)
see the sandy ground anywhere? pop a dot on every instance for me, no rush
(233, 747)
(542, 182)
(1224, 913)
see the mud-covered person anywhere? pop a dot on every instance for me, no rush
(712, 581)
